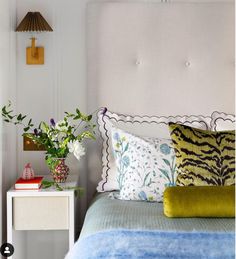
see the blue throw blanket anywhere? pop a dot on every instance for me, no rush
(134, 244)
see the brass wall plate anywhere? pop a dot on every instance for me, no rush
(38, 59)
(29, 145)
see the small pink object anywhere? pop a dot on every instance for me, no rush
(28, 172)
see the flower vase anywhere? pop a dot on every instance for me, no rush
(60, 172)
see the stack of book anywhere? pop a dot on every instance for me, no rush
(32, 184)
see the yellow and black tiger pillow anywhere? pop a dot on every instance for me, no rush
(203, 157)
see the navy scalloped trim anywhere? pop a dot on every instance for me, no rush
(166, 123)
(135, 121)
(107, 150)
(219, 117)
(227, 119)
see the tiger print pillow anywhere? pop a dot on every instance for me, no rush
(203, 157)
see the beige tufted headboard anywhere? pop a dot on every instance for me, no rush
(160, 58)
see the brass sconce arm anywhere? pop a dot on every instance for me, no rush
(33, 49)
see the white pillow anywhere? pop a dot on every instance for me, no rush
(148, 126)
(222, 121)
(145, 167)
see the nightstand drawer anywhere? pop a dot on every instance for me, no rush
(40, 213)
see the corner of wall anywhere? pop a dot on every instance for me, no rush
(8, 92)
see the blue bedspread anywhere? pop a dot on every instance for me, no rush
(132, 244)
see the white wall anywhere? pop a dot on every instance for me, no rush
(42, 92)
(46, 91)
(7, 91)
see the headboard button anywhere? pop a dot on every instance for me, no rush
(137, 62)
(187, 64)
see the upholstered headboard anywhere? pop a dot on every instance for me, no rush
(159, 58)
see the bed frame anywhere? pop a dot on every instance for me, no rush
(158, 58)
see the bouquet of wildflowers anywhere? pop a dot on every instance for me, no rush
(58, 138)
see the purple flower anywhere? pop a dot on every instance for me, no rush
(104, 110)
(52, 122)
(35, 132)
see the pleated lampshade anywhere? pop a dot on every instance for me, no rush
(33, 21)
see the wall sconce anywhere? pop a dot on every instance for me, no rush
(34, 22)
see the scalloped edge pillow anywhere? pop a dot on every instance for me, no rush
(150, 126)
(222, 121)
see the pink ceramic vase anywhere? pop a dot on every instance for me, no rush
(28, 172)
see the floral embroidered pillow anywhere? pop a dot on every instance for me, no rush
(145, 166)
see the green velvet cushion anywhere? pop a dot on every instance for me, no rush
(199, 201)
(203, 157)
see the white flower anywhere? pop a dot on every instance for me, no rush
(61, 136)
(44, 127)
(61, 125)
(76, 148)
(52, 136)
(79, 151)
(70, 145)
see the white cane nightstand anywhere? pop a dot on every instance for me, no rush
(46, 209)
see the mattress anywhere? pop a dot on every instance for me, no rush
(105, 213)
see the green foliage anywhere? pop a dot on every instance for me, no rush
(48, 184)
(51, 162)
(16, 119)
(54, 136)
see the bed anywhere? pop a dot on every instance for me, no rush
(115, 228)
(133, 229)
(146, 58)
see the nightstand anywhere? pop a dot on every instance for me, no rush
(46, 209)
